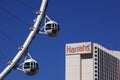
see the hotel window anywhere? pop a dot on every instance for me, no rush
(95, 74)
(95, 55)
(96, 79)
(95, 51)
(95, 47)
(95, 59)
(95, 66)
(95, 63)
(95, 71)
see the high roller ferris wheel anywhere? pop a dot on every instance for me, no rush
(30, 66)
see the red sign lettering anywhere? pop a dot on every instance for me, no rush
(78, 49)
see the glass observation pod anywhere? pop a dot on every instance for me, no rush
(51, 28)
(30, 67)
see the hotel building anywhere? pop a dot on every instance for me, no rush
(91, 61)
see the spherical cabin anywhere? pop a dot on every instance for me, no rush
(30, 67)
(51, 28)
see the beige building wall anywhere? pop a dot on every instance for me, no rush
(87, 69)
(91, 61)
(79, 62)
(72, 67)
(79, 68)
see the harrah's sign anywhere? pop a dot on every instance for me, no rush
(79, 48)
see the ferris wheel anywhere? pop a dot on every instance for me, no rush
(30, 65)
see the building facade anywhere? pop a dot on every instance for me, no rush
(91, 61)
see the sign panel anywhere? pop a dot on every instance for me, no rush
(79, 48)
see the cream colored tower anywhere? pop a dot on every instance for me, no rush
(91, 61)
